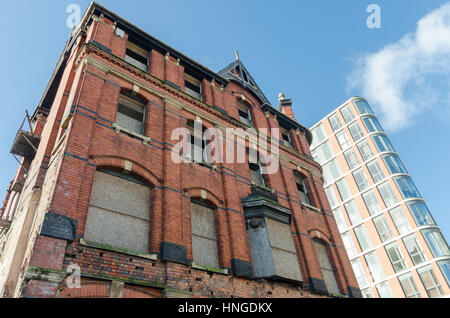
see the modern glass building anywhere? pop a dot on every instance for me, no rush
(394, 245)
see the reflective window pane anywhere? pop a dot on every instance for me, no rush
(407, 187)
(375, 171)
(349, 244)
(361, 180)
(430, 282)
(408, 286)
(343, 189)
(401, 222)
(436, 242)
(372, 124)
(340, 220)
(353, 212)
(414, 249)
(318, 135)
(363, 237)
(375, 266)
(347, 113)
(394, 164)
(352, 159)
(383, 228)
(371, 202)
(355, 131)
(365, 150)
(384, 290)
(396, 257)
(445, 269)
(387, 194)
(343, 140)
(420, 212)
(335, 122)
(382, 143)
(362, 107)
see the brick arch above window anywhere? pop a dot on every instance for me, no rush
(197, 193)
(88, 289)
(128, 165)
(318, 235)
(134, 95)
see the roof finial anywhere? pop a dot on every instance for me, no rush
(237, 55)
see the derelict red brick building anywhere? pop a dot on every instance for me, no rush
(98, 194)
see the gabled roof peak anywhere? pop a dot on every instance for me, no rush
(238, 73)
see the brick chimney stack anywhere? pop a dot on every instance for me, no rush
(285, 106)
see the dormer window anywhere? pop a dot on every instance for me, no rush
(193, 86)
(244, 114)
(137, 56)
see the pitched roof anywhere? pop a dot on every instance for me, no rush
(237, 72)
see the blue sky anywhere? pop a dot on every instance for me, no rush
(319, 53)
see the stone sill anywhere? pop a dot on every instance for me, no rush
(222, 271)
(311, 207)
(202, 164)
(111, 248)
(119, 129)
(45, 274)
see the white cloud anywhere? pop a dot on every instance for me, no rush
(407, 78)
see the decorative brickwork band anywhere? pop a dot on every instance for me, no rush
(59, 226)
(173, 253)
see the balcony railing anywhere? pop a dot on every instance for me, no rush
(264, 192)
(26, 142)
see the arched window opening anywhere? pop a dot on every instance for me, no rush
(119, 211)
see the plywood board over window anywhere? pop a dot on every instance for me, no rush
(325, 267)
(283, 250)
(119, 212)
(204, 240)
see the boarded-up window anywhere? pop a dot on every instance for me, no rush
(119, 212)
(130, 114)
(326, 268)
(283, 250)
(204, 241)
